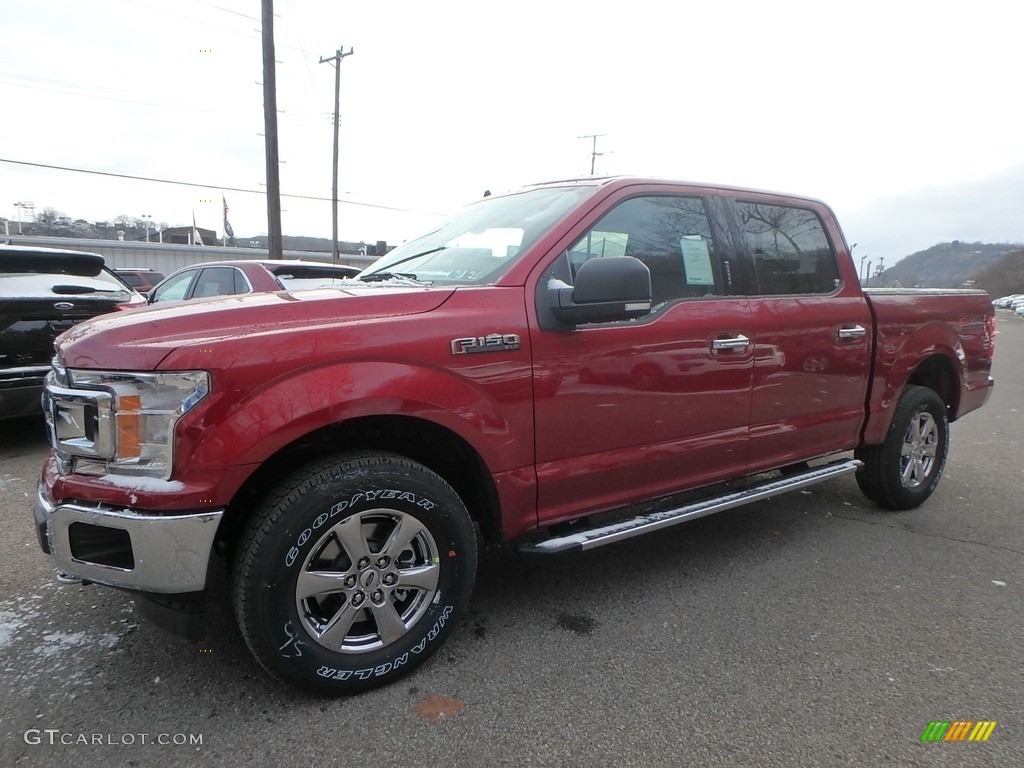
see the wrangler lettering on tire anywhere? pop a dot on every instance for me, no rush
(353, 572)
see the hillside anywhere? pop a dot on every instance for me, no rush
(1004, 277)
(946, 265)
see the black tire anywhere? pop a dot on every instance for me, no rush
(904, 470)
(384, 553)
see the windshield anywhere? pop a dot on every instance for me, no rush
(480, 243)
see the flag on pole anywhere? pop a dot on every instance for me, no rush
(229, 233)
(197, 239)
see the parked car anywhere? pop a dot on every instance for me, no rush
(142, 279)
(44, 292)
(1004, 302)
(227, 278)
(347, 449)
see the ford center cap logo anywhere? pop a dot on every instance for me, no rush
(63, 305)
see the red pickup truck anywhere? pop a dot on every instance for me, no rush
(533, 370)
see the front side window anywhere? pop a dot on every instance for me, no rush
(175, 288)
(791, 252)
(671, 235)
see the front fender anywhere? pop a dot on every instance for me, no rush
(496, 421)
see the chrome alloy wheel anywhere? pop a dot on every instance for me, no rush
(919, 450)
(367, 581)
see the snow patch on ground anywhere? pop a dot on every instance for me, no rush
(10, 624)
(9, 482)
(37, 653)
(61, 642)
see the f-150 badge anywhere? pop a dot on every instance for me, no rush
(494, 342)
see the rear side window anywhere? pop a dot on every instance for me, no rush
(789, 247)
(131, 278)
(219, 281)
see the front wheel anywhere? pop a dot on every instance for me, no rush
(353, 572)
(904, 470)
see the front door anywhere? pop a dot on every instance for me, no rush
(645, 407)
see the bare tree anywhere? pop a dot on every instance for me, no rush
(48, 215)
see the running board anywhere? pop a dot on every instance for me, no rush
(655, 521)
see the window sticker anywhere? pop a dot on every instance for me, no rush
(696, 260)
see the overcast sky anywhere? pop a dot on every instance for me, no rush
(867, 105)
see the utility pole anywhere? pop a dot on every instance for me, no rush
(336, 59)
(21, 207)
(594, 154)
(275, 247)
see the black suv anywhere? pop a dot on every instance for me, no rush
(43, 292)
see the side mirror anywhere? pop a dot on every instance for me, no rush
(606, 290)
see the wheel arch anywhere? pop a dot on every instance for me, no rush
(931, 357)
(425, 442)
(938, 373)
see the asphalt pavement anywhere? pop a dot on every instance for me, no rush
(808, 630)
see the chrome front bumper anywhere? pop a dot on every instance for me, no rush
(145, 552)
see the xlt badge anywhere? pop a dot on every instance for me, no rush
(494, 342)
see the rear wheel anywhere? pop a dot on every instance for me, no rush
(353, 572)
(904, 470)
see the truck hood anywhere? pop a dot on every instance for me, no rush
(140, 339)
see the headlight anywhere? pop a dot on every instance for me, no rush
(143, 410)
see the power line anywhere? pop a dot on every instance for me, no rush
(68, 88)
(209, 186)
(246, 35)
(227, 10)
(62, 89)
(192, 20)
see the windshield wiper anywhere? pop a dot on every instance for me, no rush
(380, 277)
(386, 270)
(71, 290)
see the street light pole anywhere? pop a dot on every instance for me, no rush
(147, 218)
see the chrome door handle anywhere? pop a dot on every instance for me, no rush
(854, 332)
(736, 342)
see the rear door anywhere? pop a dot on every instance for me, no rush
(635, 409)
(812, 332)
